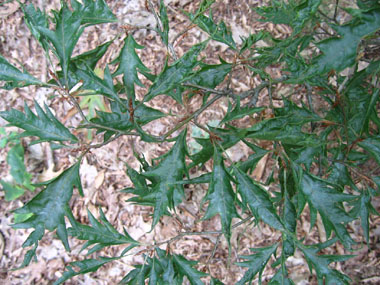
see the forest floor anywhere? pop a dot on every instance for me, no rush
(103, 171)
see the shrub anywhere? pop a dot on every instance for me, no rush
(319, 155)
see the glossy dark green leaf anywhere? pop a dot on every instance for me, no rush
(256, 262)
(281, 277)
(172, 75)
(372, 146)
(129, 65)
(229, 137)
(101, 86)
(320, 264)
(238, 112)
(50, 206)
(362, 208)
(340, 52)
(100, 233)
(35, 18)
(211, 75)
(217, 32)
(15, 78)
(323, 197)
(257, 199)
(90, 58)
(43, 125)
(221, 196)
(93, 12)
(165, 193)
(65, 36)
(185, 267)
(85, 266)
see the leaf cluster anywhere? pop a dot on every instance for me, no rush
(317, 153)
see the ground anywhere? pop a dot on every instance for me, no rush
(103, 170)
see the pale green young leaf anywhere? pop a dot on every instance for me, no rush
(12, 192)
(43, 125)
(256, 262)
(221, 196)
(15, 159)
(14, 78)
(50, 206)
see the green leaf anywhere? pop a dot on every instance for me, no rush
(15, 159)
(119, 118)
(101, 233)
(217, 32)
(281, 277)
(35, 18)
(85, 266)
(101, 86)
(50, 206)
(372, 146)
(323, 197)
(210, 75)
(164, 33)
(287, 126)
(164, 192)
(257, 199)
(15, 78)
(172, 76)
(256, 262)
(164, 269)
(12, 192)
(65, 36)
(129, 65)
(321, 262)
(221, 195)
(45, 125)
(361, 208)
(229, 137)
(185, 267)
(93, 12)
(340, 52)
(238, 113)
(294, 15)
(90, 58)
